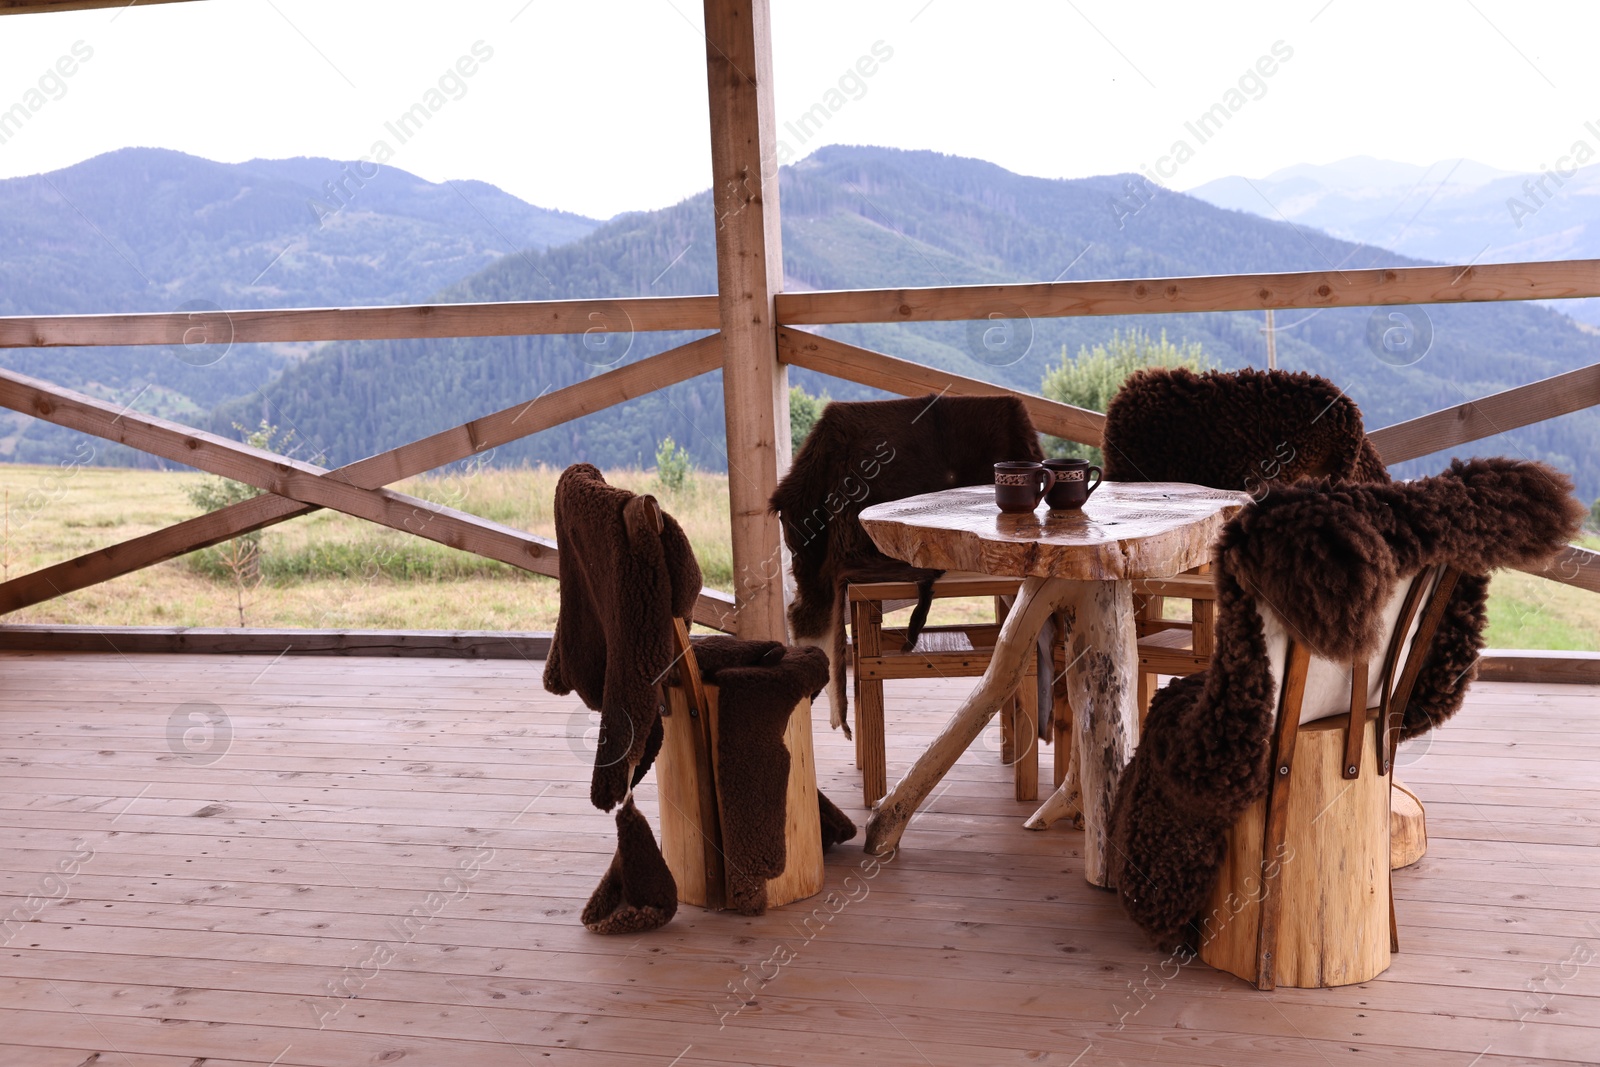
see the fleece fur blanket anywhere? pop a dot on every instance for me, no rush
(1326, 558)
(622, 584)
(760, 683)
(1249, 430)
(866, 452)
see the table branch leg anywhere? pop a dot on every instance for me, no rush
(1102, 662)
(1065, 803)
(1015, 645)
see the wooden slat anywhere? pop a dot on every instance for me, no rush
(1477, 419)
(40, 7)
(891, 374)
(491, 431)
(1521, 665)
(462, 644)
(755, 385)
(1227, 292)
(396, 322)
(1573, 565)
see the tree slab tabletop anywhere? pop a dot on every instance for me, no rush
(1125, 530)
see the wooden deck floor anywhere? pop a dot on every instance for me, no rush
(296, 887)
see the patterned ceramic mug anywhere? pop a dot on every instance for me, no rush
(1072, 486)
(1019, 485)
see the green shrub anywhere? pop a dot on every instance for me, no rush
(1093, 377)
(672, 466)
(804, 411)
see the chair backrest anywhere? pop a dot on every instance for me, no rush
(1244, 430)
(861, 453)
(1327, 683)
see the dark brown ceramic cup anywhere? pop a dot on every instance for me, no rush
(1071, 488)
(1019, 485)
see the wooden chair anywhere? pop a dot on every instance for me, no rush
(864, 452)
(1305, 896)
(1244, 430)
(952, 651)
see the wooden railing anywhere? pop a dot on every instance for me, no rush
(293, 488)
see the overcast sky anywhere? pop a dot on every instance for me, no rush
(600, 107)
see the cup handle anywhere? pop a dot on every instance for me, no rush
(1098, 478)
(1049, 483)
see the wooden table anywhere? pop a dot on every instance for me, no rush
(1079, 562)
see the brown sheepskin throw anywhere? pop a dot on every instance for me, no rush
(866, 452)
(622, 584)
(1325, 558)
(1249, 430)
(637, 893)
(759, 685)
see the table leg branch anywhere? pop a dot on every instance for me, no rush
(1102, 662)
(1065, 803)
(1015, 645)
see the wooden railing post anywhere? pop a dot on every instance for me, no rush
(755, 386)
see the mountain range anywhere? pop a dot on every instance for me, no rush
(143, 230)
(1455, 211)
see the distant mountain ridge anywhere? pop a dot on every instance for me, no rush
(870, 217)
(145, 229)
(1454, 211)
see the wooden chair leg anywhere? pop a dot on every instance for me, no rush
(1025, 736)
(871, 753)
(1147, 689)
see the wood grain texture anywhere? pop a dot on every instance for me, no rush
(1101, 663)
(189, 936)
(1547, 668)
(1332, 879)
(447, 446)
(1408, 827)
(1126, 530)
(685, 781)
(1228, 292)
(221, 328)
(755, 385)
(895, 375)
(1489, 416)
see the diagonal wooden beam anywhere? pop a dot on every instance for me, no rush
(866, 367)
(304, 482)
(1477, 419)
(39, 7)
(510, 424)
(1574, 565)
(512, 318)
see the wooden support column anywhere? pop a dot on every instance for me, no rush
(755, 386)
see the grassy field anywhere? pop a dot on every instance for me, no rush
(329, 571)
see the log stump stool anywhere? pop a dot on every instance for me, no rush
(1317, 913)
(691, 802)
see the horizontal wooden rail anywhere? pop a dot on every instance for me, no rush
(866, 367)
(197, 328)
(1477, 419)
(448, 446)
(1227, 292)
(1545, 667)
(1574, 565)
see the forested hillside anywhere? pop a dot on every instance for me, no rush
(857, 217)
(154, 230)
(175, 229)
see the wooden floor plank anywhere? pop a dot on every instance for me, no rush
(223, 896)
